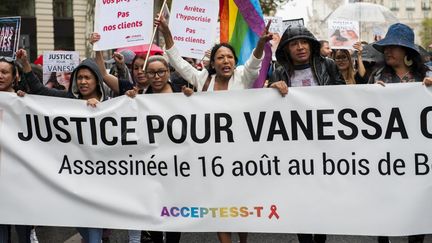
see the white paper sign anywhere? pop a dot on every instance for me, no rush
(59, 62)
(123, 23)
(277, 28)
(193, 25)
(343, 34)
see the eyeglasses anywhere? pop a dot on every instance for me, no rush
(341, 59)
(7, 59)
(159, 73)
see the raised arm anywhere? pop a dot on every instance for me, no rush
(361, 68)
(35, 85)
(110, 80)
(264, 38)
(162, 25)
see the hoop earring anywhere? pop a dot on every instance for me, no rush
(408, 62)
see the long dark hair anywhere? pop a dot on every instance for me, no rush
(418, 68)
(215, 48)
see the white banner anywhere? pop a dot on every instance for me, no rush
(123, 23)
(340, 160)
(193, 25)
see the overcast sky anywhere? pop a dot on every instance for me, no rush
(295, 9)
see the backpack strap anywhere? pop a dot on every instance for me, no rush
(206, 84)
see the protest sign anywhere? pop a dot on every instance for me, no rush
(293, 22)
(9, 36)
(268, 163)
(277, 28)
(57, 64)
(122, 23)
(343, 34)
(193, 26)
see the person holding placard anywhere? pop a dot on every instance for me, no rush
(345, 65)
(86, 84)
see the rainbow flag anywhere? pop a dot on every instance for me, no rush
(241, 24)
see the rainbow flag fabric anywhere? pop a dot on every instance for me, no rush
(241, 24)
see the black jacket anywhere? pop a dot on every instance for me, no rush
(36, 87)
(324, 69)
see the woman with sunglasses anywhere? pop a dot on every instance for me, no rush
(8, 76)
(345, 64)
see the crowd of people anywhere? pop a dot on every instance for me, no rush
(302, 61)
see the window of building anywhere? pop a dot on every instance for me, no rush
(394, 5)
(410, 5)
(425, 4)
(63, 25)
(62, 8)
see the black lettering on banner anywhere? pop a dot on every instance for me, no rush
(255, 133)
(103, 132)
(321, 124)
(65, 165)
(226, 128)
(424, 122)
(93, 128)
(57, 126)
(38, 129)
(396, 117)
(297, 167)
(297, 121)
(29, 136)
(152, 129)
(421, 160)
(367, 121)
(78, 123)
(343, 121)
(125, 130)
(387, 166)
(183, 130)
(206, 127)
(277, 121)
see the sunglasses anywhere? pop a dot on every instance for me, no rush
(7, 59)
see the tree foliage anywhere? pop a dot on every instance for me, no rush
(269, 6)
(426, 32)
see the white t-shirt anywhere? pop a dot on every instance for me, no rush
(303, 77)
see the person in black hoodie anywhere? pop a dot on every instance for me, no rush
(87, 84)
(301, 64)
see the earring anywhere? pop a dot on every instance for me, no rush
(408, 62)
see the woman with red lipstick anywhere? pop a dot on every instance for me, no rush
(223, 74)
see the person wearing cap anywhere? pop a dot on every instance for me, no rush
(403, 62)
(301, 64)
(123, 64)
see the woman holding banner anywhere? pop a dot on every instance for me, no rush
(403, 63)
(8, 76)
(222, 74)
(86, 84)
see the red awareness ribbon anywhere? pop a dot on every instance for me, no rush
(273, 212)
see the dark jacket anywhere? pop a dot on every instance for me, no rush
(36, 87)
(324, 69)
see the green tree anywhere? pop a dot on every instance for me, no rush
(268, 6)
(426, 32)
